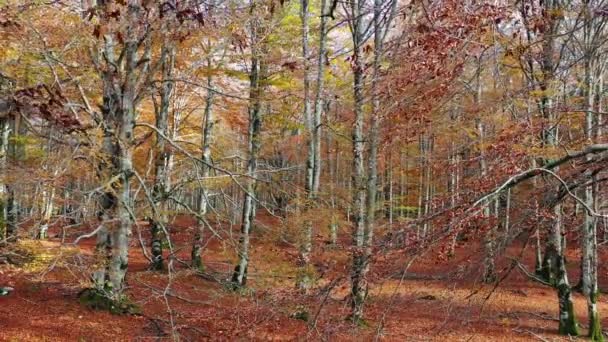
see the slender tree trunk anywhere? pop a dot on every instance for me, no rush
(554, 267)
(428, 185)
(374, 132)
(48, 197)
(588, 281)
(162, 158)
(403, 179)
(203, 200)
(567, 320)
(319, 98)
(372, 158)
(304, 278)
(454, 181)
(507, 219)
(15, 153)
(364, 196)
(360, 267)
(333, 161)
(489, 270)
(256, 78)
(4, 141)
(421, 181)
(389, 190)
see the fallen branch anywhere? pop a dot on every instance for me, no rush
(528, 274)
(531, 333)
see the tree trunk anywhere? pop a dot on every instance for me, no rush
(319, 98)
(567, 320)
(256, 83)
(15, 153)
(304, 278)
(203, 200)
(119, 236)
(4, 141)
(162, 158)
(48, 197)
(120, 78)
(390, 191)
(334, 163)
(359, 267)
(364, 196)
(588, 281)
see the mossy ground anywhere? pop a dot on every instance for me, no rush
(98, 300)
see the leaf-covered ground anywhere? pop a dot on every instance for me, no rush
(425, 305)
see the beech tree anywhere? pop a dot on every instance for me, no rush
(347, 147)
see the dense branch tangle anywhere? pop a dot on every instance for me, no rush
(285, 132)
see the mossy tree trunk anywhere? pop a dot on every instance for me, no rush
(122, 61)
(588, 280)
(553, 269)
(120, 115)
(567, 319)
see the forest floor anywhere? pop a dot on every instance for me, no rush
(423, 306)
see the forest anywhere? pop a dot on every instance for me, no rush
(324, 170)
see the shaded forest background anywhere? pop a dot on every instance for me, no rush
(312, 169)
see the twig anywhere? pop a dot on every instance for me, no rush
(531, 333)
(327, 290)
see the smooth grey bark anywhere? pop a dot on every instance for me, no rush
(359, 285)
(4, 141)
(319, 104)
(203, 199)
(507, 219)
(554, 266)
(257, 79)
(364, 190)
(107, 200)
(553, 270)
(390, 190)
(589, 273)
(122, 84)
(16, 151)
(549, 135)
(162, 158)
(489, 268)
(6, 88)
(425, 189)
(307, 100)
(567, 319)
(48, 197)
(304, 278)
(312, 117)
(381, 25)
(333, 162)
(373, 135)
(106, 168)
(119, 236)
(403, 182)
(595, 330)
(454, 179)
